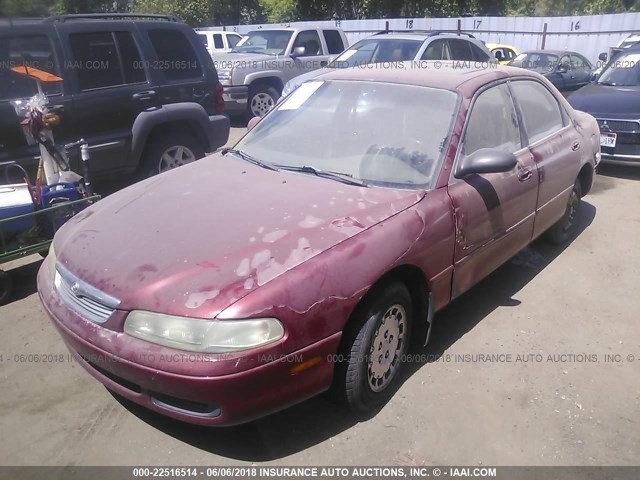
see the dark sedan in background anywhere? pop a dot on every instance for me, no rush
(566, 70)
(614, 99)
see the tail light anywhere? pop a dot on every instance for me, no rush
(218, 98)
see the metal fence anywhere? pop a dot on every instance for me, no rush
(588, 35)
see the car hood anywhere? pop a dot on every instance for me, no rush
(296, 81)
(194, 240)
(607, 101)
(228, 60)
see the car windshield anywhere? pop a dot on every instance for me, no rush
(623, 71)
(535, 60)
(377, 50)
(382, 134)
(269, 42)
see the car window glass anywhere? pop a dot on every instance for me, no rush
(175, 54)
(540, 110)
(217, 40)
(310, 40)
(492, 123)
(435, 51)
(131, 60)
(479, 55)
(233, 40)
(203, 39)
(334, 41)
(378, 50)
(32, 51)
(565, 62)
(95, 60)
(460, 49)
(578, 62)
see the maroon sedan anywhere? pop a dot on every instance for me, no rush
(310, 254)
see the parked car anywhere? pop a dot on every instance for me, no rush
(614, 52)
(363, 203)
(503, 53)
(143, 93)
(257, 68)
(218, 41)
(390, 46)
(566, 70)
(613, 100)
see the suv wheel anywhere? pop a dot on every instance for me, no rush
(262, 98)
(167, 152)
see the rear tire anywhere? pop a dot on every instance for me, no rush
(561, 231)
(6, 287)
(169, 151)
(373, 352)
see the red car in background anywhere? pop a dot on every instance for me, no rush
(310, 254)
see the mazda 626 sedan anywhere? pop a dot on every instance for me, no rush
(307, 257)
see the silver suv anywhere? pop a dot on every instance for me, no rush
(257, 68)
(404, 46)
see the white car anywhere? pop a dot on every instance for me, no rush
(218, 41)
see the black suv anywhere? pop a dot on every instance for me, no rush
(140, 89)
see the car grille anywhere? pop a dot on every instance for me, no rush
(82, 298)
(619, 126)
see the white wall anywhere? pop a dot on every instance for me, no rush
(588, 35)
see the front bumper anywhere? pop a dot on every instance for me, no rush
(213, 400)
(235, 98)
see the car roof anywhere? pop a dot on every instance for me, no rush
(450, 75)
(554, 52)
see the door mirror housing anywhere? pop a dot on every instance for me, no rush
(298, 52)
(486, 160)
(603, 56)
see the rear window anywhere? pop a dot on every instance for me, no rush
(334, 41)
(460, 50)
(30, 50)
(479, 55)
(217, 40)
(176, 57)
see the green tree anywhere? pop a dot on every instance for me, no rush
(279, 10)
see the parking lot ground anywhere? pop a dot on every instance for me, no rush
(558, 383)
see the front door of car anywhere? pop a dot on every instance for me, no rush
(314, 56)
(494, 212)
(556, 147)
(110, 88)
(581, 71)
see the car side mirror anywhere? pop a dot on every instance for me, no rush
(298, 52)
(562, 69)
(603, 56)
(252, 123)
(595, 76)
(486, 160)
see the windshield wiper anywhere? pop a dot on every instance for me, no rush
(338, 176)
(608, 84)
(248, 158)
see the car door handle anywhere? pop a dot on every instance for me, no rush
(146, 95)
(525, 174)
(576, 146)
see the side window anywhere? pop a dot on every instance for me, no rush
(460, 49)
(492, 123)
(203, 39)
(95, 60)
(175, 53)
(310, 40)
(540, 110)
(565, 62)
(436, 50)
(217, 40)
(479, 55)
(131, 64)
(233, 40)
(334, 41)
(32, 51)
(579, 63)
(509, 54)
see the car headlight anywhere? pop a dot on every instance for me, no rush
(51, 260)
(286, 90)
(224, 75)
(200, 335)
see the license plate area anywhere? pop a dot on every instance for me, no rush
(608, 140)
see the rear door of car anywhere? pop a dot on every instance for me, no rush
(37, 47)
(181, 68)
(110, 87)
(494, 212)
(437, 49)
(555, 145)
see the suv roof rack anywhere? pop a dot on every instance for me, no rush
(112, 16)
(429, 33)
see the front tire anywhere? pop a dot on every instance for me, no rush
(561, 231)
(375, 347)
(262, 98)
